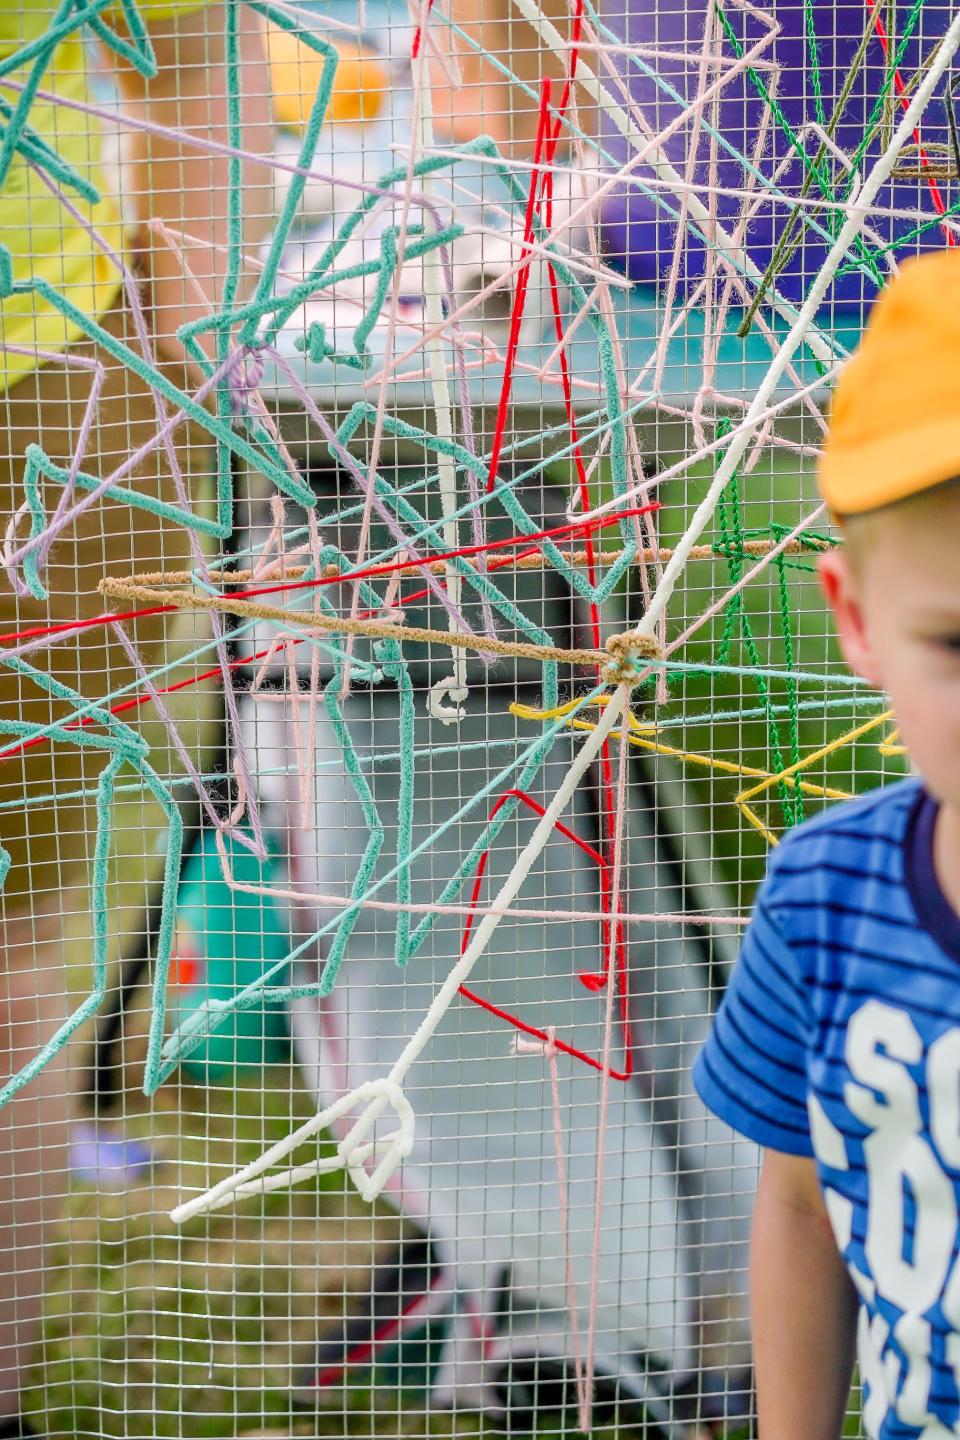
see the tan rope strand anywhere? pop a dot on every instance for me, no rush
(619, 645)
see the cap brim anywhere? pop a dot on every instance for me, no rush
(890, 468)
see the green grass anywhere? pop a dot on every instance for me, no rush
(151, 1332)
(155, 1332)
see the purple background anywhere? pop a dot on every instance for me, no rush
(640, 237)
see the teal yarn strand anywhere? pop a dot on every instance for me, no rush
(190, 1035)
(164, 938)
(91, 1004)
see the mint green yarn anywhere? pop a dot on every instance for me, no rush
(503, 491)
(165, 930)
(125, 741)
(16, 132)
(124, 746)
(88, 1007)
(308, 148)
(214, 425)
(137, 51)
(39, 464)
(314, 343)
(375, 836)
(183, 1041)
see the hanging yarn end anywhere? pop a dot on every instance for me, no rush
(245, 377)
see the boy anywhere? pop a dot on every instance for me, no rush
(837, 1046)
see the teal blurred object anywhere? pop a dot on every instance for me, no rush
(224, 939)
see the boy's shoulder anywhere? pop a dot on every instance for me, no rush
(846, 846)
(882, 811)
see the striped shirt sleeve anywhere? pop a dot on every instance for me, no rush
(752, 1070)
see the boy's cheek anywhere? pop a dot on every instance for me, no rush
(928, 718)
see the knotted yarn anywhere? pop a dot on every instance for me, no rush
(630, 655)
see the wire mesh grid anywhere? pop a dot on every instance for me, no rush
(367, 370)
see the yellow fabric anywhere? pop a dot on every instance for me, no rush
(360, 85)
(45, 241)
(895, 417)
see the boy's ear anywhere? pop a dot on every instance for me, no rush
(839, 586)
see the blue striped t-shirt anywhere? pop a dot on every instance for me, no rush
(839, 1038)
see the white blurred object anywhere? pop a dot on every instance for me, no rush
(574, 205)
(324, 194)
(115, 152)
(481, 1177)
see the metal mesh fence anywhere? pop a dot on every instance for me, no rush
(368, 370)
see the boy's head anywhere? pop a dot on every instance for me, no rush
(889, 473)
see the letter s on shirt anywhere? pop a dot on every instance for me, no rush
(900, 1163)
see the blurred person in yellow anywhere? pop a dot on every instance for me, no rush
(54, 236)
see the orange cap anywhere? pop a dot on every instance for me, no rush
(895, 416)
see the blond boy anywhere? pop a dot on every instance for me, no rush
(837, 1046)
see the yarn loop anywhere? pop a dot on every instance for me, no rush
(630, 655)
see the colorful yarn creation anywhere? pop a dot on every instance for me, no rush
(502, 608)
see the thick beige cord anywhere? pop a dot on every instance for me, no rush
(620, 652)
